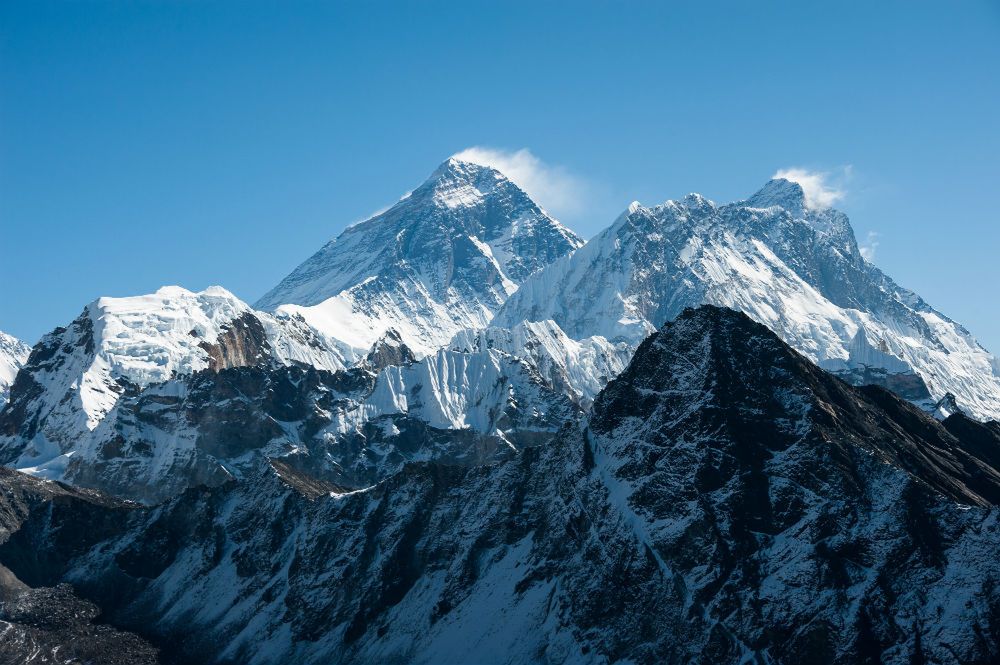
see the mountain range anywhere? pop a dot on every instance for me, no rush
(457, 433)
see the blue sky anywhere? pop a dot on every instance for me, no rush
(151, 143)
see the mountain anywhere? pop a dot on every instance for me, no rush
(118, 347)
(13, 354)
(442, 259)
(145, 397)
(794, 268)
(725, 501)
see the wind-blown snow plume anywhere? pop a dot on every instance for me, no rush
(553, 187)
(820, 192)
(869, 246)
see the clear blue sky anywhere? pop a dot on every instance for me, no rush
(150, 143)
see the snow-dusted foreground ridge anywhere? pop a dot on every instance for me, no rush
(795, 269)
(13, 354)
(725, 501)
(444, 258)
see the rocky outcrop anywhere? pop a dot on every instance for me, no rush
(241, 343)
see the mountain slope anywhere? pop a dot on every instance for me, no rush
(443, 258)
(795, 269)
(725, 502)
(13, 354)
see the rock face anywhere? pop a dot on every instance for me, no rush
(725, 501)
(442, 259)
(52, 624)
(795, 269)
(13, 354)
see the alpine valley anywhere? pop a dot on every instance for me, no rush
(459, 434)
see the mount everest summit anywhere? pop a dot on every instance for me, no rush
(457, 409)
(443, 259)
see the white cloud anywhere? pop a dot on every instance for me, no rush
(869, 246)
(552, 187)
(819, 187)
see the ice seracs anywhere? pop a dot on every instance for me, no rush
(793, 267)
(442, 259)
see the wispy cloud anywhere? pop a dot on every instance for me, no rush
(822, 189)
(552, 187)
(868, 247)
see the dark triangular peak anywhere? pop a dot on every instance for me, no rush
(780, 192)
(387, 351)
(715, 379)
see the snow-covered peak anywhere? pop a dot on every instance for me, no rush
(794, 268)
(457, 183)
(443, 258)
(13, 354)
(118, 346)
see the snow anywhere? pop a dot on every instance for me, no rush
(783, 263)
(13, 354)
(441, 260)
(578, 368)
(148, 339)
(128, 344)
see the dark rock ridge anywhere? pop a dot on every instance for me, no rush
(725, 502)
(53, 624)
